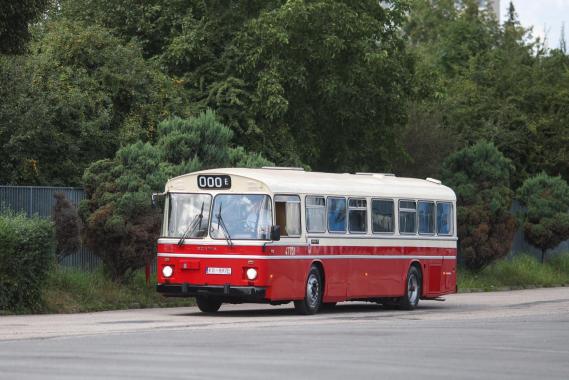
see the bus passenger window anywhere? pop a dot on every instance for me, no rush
(426, 217)
(407, 217)
(382, 216)
(315, 214)
(444, 218)
(287, 214)
(357, 215)
(336, 214)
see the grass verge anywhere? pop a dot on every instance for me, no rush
(74, 291)
(522, 271)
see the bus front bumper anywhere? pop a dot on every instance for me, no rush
(249, 293)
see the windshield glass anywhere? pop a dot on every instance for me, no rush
(244, 216)
(184, 215)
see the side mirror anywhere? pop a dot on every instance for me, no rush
(155, 199)
(276, 233)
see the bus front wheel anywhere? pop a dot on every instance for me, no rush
(208, 304)
(413, 288)
(313, 294)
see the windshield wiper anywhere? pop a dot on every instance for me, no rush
(196, 222)
(221, 223)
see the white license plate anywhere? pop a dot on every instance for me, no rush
(213, 270)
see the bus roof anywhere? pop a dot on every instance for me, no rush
(298, 181)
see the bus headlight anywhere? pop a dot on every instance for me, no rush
(251, 273)
(167, 271)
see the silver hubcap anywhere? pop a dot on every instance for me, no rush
(413, 289)
(312, 290)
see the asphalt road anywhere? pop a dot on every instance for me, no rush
(503, 335)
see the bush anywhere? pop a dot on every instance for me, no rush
(480, 176)
(546, 211)
(27, 248)
(67, 227)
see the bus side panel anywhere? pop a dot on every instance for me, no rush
(336, 274)
(386, 279)
(288, 276)
(286, 279)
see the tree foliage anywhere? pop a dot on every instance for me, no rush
(67, 227)
(80, 94)
(489, 83)
(546, 211)
(15, 18)
(121, 227)
(320, 82)
(480, 176)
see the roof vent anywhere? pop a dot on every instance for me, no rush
(284, 168)
(434, 180)
(376, 174)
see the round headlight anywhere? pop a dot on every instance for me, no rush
(251, 273)
(167, 271)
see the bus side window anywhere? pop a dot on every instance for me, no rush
(444, 219)
(427, 218)
(287, 214)
(357, 215)
(315, 214)
(407, 217)
(337, 214)
(382, 217)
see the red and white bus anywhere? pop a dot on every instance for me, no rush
(276, 235)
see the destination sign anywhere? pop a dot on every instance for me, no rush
(214, 182)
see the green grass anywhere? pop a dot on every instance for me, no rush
(520, 272)
(72, 291)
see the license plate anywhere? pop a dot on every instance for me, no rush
(213, 270)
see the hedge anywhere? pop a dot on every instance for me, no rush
(27, 252)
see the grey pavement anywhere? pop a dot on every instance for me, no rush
(502, 335)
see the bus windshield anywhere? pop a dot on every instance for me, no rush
(185, 217)
(242, 217)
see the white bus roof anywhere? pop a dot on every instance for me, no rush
(295, 181)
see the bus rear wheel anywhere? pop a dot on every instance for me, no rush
(313, 295)
(413, 287)
(208, 304)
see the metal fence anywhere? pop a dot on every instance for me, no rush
(39, 200)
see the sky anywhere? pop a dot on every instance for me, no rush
(546, 17)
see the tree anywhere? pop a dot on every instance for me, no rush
(83, 91)
(121, 227)
(546, 211)
(323, 79)
(67, 227)
(480, 176)
(15, 17)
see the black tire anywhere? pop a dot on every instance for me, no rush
(313, 293)
(208, 304)
(413, 289)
